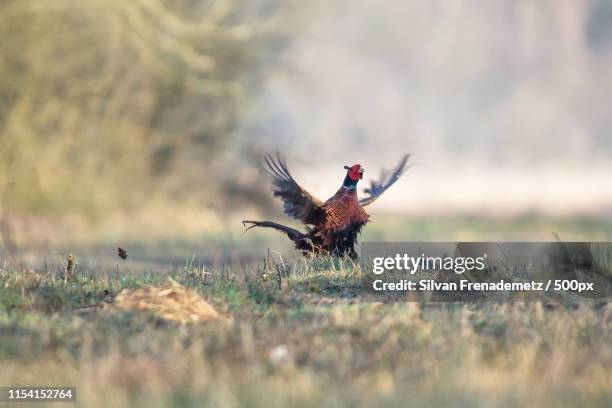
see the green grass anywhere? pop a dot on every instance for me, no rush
(307, 340)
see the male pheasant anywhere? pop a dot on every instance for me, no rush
(331, 226)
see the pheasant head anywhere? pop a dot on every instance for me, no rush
(353, 175)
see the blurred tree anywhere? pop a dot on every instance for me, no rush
(599, 25)
(106, 102)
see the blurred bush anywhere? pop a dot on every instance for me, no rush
(106, 104)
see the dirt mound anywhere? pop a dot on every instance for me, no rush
(172, 302)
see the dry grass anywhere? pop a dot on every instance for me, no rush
(307, 342)
(172, 302)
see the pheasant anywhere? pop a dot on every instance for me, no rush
(332, 226)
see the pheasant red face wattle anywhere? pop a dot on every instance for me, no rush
(355, 172)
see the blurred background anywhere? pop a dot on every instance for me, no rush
(147, 118)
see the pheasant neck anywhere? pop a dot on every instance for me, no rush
(350, 184)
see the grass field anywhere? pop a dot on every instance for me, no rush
(305, 339)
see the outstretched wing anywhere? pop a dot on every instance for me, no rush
(297, 202)
(386, 180)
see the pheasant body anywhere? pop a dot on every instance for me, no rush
(332, 226)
